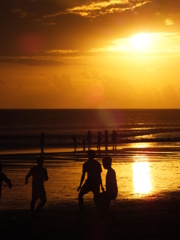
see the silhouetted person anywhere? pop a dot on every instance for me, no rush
(42, 137)
(75, 143)
(4, 178)
(103, 199)
(89, 136)
(114, 139)
(106, 139)
(99, 138)
(93, 181)
(84, 144)
(39, 175)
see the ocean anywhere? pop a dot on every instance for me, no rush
(21, 129)
(146, 159)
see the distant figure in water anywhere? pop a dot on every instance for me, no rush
(4, 178)
(106, 139)
(39, 175)
(84, 144)
(103, 199)
(99, 138)
(42, 137)
(75, 143)
(93, 181)
(89, 136)
(114, 139)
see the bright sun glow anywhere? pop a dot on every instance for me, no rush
(140, 41)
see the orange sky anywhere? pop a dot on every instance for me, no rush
(81, 54)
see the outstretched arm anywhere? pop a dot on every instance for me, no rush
(27, 176)
(102, 188)
(82, 179)
(7, 180)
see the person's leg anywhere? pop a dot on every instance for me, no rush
(102, 202)
(33, 201)
(84, 190)
(98, 199)
(43, 200)
(32, 206)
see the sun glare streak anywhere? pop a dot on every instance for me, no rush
(142, 178)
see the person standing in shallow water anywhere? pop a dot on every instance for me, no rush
(4, 178)
(39, 175)
(106, 139)
(114, 139)
(99, 138)
(75, 142)
(93, 181)
(89, 139)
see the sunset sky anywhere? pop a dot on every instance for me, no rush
(89, 54)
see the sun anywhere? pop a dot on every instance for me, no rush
(140, 41)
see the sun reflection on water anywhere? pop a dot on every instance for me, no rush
(142, 180)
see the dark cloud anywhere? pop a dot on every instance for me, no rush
(31, 61)
(33, 27)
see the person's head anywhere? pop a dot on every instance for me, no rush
(0, 167)
(107, 162)
(40, 161)
(91, 154)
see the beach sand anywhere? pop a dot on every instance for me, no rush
(129, 219)
(155, 216)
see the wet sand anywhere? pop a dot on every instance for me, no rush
(150, 216)
(129, 219)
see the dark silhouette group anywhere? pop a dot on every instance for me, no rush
(93, 183)
(88, 140)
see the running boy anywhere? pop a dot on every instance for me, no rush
(39, 175)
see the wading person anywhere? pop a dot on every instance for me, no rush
(93, 181)
(39, 175)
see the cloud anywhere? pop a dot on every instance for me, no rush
(43, 26)
(31, 61)
(38, 92)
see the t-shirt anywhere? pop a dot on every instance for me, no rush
(111, 183)
(93, 169)
(39, 174)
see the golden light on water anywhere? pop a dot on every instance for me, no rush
(142, 180)
(140, 145)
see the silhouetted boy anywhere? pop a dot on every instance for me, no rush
(4, 178)
(93, 181)
(75, 143)
(114, 139)
(106, 139)
(89, 136)
(99, 138)
(103, 199)
(39, 175)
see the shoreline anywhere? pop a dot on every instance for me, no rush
(54, 153)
